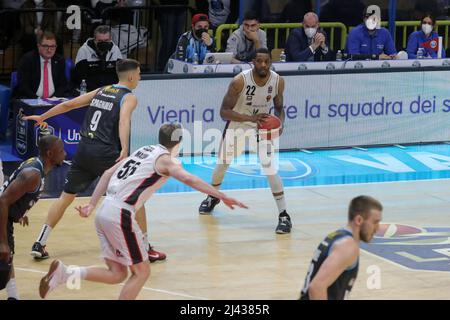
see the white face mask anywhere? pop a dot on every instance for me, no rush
(426, 28)
(371, 23)
(310, 32)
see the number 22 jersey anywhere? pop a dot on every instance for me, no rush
(136, 179)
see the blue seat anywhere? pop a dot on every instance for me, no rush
(69, 66)
(14, 81)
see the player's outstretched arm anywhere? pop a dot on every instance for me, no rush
(343, 255)
(129, 104)
(166, 166)
(64, 107)
(231, 98)
(27, 181)
(86, 210)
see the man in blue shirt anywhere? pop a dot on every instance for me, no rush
(198, 41)
(370, 39)
(426, 38)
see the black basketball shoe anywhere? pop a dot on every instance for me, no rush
(38, 251)
(284, 224)
(208, 205)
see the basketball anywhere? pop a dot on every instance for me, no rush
(270, 128)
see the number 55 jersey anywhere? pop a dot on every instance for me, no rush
(136, 179)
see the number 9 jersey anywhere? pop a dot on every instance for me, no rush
(136, 179)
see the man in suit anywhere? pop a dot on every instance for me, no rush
(309, 42)
(42, 73)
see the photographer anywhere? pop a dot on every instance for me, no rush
(96, 60)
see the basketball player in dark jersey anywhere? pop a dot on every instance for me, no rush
(334, 266)
(105, 134)
(18, 194)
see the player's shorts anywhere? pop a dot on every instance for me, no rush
(120, 237)
(91, 160)
(239, 137)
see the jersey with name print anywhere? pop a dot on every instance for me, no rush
(101, 122)
(136, 179)
(20, 207)
(344, 283)
(256, 99)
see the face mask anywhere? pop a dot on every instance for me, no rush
(104, 46)
(199, 32)
(426, 28)
(310, 32)
(371, 23)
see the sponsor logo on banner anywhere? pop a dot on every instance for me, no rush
(416, 248)
(21, 133)
(330, 66)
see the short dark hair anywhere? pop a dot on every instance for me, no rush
(170, 134)
(102, 29)
(125, 65)
(261, 50)
(46, 35)
(428, 15)
(362, 205)
(251, 15)
(46, 142)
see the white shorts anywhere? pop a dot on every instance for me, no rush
(120, 237)
(239, 136)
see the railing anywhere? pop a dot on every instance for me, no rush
(284, 29)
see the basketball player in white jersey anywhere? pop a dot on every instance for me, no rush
(245, 105)
(128, 185)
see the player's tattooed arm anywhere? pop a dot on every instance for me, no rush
(231, 98)
(278, 101)
(27, 181)
(64, 107)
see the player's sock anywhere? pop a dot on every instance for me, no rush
(43, 236)
(11, 289)
(278, 193)
(145, 240)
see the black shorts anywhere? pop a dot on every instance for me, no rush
(89, 163)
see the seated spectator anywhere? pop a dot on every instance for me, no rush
(219, 11)
(308, 43)
(42, 73)
(245, 40)
(426, 38)
(197, 41)
(33, 24)
(96, 60)
(370, 39)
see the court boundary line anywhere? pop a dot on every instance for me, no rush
(173, 293)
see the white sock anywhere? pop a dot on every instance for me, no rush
(145, 240)
(276, 185)
(43, 236)
(281, 203)
(11, 289)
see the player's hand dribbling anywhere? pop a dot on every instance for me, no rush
(85, 211)
(259, 118)
(231, 202)
(5, 253)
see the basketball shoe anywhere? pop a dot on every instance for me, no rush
(154, 255)
(38, 251)
(284, 223)
(208, 205)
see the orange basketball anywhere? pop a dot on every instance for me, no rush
(270, 128)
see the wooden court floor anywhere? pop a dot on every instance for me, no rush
(236, 254)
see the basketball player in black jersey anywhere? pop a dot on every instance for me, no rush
(334, 267)
(18, 194)
(105, 134)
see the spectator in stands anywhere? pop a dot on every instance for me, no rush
(370, 39)
(96, 60)
(42, 73)
(425, 38)
(9, 21)
(219, 11)
(308, 43)
(33, 24)
(245, 40)
(195, 42)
